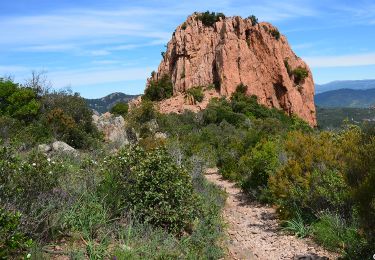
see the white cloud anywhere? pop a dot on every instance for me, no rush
(341, 60)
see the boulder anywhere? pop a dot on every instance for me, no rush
(44, 148)
(62, 147)
(115, 129)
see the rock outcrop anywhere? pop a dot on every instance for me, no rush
(234, 51)
(114, 129)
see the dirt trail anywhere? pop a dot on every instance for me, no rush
(254, 232)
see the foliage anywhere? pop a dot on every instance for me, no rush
(120, 109)
(257, 166)
(300, 74)
(87, 215)
(184, 26)
(209, 19)
(253, 19)
(311, 178)
(18, 102)
(196, 93)
(361, 176)
(333, 232)
(297, 226)
(275, 33)
(12, 241)
(158, 90)
(288, 67)
(158, 190)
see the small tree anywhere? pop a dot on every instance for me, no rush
(159, 90)
(254, 19)
(120, 109)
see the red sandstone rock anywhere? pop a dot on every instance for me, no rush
(231, 52)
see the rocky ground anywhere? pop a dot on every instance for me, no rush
(254, 231)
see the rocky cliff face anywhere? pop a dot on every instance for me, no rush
(235, 51)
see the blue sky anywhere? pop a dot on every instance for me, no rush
(98, 47)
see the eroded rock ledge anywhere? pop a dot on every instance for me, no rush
(234, 51)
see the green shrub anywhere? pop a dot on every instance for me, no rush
(258, 166)
(87, 215)
(209, 19)
(300, 74)
(360, 174)
(253, 19)
(184, 26)
(312, 176)
(334, 233)
(275, 33)
(142, 114)
(13, 242)
(120, 109)
(153, 186)
(159, 90)
(297, 226)
(288, 67)
(196, 93)
(18, 102)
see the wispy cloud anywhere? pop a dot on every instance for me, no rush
(97, 75)
(341, 60)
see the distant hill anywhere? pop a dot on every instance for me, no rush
(346, 98)
(329, 118)
(104, 104)
(348, 84)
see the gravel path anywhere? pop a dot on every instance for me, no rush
(254, 232)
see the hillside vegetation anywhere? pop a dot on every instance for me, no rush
(346, 98)
(151, 201)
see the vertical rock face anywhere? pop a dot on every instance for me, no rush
(235, 51)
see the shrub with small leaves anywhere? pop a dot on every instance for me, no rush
(300, 74)
(209, 19)
(196, 93)
(160, 89)
(153, 186)
(253, 19)
(13, 242)
(275, 33)
(120, 109)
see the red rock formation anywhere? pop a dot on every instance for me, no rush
(230, 52)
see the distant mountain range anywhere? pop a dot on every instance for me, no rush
(348, 84)
(346, 98)
(104, 104)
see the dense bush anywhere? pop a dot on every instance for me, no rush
(120, 109)
(312, 177)
(253, 19)
(332, 231)
(275, 33)
(196, 93)
(300, 74)
(18, 102)
(159, 89)
(158, 191)
(257, 166)
(360, 152)
(209, 19)
(13, 242)
(42, 116)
